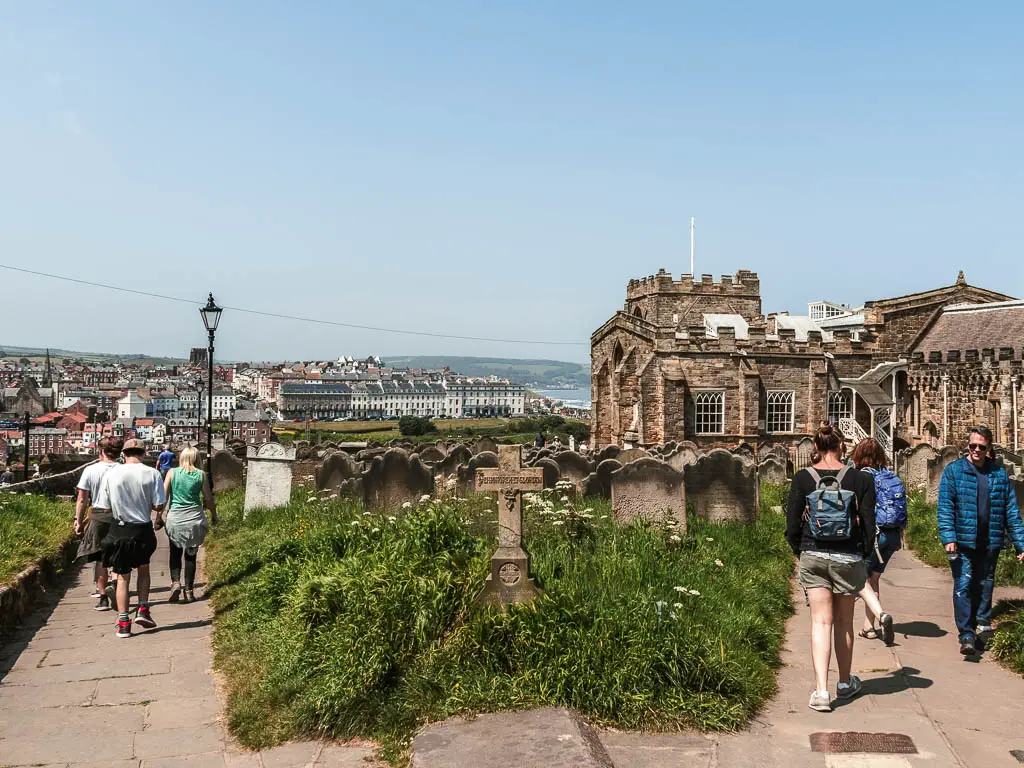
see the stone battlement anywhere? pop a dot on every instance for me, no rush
(743, 283)
(759, 342)
(984, 355)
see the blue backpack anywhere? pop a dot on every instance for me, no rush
(890, 499)
(831, 511)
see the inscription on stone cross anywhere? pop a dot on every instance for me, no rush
(509, 580)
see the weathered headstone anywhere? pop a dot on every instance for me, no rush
(484, 445)
(458, 455)
(632, 454)
(805, 453)
(650, 490)
(226, 471)
(771, 470)
(336, 468)
(509, 580)
(723, 487)
(599, 483)
(430, 454)
(936, 467)
(268, 481)
(915, 466)
(681, 457)
(572, 466)
(608, 452)
(552, 473)
(395, 478)
(572, 443)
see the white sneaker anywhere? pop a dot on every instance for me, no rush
(820, 701)
(984, 628)
(849, 690)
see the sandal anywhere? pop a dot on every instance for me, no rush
(870, 634)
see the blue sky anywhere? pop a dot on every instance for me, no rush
(491, 169)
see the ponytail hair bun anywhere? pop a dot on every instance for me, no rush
(828, 439)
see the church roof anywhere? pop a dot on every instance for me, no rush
(973, 326)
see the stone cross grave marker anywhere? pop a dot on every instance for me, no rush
(509, 580)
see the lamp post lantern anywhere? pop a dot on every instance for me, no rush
(211, 319)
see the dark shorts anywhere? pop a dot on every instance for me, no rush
(128, 546)
(890, 541)
(96, 529)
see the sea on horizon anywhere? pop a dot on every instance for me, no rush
(571, 398)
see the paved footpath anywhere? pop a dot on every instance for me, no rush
(72, 694)
(957, 712)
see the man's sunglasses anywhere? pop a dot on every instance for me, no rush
(977, 447)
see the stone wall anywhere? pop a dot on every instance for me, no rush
(978, 392)
(62, 484)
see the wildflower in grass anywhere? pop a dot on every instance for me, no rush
(333, 496)
(407, 505)
(424, 498)
(558, 522)
(719, 563)
(675, 538)
(708, 539)
(355, 522)
(681, 589)
(694, 593)
(677, 606)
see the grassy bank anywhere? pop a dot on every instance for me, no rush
(31, 527)
(332, 621)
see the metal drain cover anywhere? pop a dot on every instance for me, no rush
(857, 741)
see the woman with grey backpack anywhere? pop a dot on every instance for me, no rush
(830, 526)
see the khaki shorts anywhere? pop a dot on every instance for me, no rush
(841, 578)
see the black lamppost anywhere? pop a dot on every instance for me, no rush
(211, 318)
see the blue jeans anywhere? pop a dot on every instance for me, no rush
(974, 574)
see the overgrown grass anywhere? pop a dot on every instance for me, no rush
(31, 527)
(332, 621)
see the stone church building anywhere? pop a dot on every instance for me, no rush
(698, 360)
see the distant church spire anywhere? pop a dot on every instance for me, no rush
(47, 373)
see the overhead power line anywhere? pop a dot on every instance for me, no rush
(282, 316)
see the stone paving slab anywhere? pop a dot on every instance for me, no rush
(74, 696)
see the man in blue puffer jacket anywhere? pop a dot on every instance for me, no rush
(977, 505)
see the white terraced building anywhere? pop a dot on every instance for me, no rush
(392, 399)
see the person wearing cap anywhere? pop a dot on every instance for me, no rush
(134, 495)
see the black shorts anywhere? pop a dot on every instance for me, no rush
(128, 546)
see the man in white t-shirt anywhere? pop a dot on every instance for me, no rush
(134, 494)
(97, 525)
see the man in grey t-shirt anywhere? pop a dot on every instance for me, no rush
(134, 494)
(97, 525)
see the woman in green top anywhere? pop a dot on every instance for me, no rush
(188, 493)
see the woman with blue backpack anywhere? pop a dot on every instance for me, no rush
(890, 520)
(830, 526)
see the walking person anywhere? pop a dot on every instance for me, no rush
(188, 492)
(977, 507)
(890, 520)
(165, 461)
(134, 494)
(830, 526)
(94, 528)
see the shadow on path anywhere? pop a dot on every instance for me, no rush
(919, 629)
